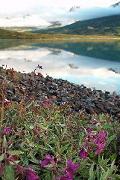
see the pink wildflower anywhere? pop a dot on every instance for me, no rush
(47, 161)
(83, 154)
(70, 169)
(100, 148)
(31, 175)
(89, 130)
(100, 142)
(7, 130)
(94, 140)
(66, 178)
(101, 137)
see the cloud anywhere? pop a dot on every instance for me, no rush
(13, 12)
(15, 6)
(81, 3)
(21, 21)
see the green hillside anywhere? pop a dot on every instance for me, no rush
(109, 25)
(8, 34)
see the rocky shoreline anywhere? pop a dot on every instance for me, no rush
(17, 86)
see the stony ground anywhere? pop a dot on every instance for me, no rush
(19, 86)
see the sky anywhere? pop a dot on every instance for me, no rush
(41, 12)
(12, 6)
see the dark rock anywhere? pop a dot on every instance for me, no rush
(79, 98)
(1, 77)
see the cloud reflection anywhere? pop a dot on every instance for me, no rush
(78, 69)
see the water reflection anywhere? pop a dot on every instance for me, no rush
(101, 50)
(83, 63)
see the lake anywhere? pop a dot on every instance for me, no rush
(94, 64)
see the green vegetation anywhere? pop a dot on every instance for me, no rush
(39, 140)
(13, 35)
(7, 34)
(109, 25)
(48, 142)
(98, 29)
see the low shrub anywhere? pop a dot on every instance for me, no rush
(48, 142)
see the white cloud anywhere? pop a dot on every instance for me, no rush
(81, 3)
(13, 12)
(21, 21)
(13, 6)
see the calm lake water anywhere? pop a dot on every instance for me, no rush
(95, 65)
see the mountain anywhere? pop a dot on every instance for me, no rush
(116, 4)
(53, 18)
(74, 8)
(55, 24)
(109, 25)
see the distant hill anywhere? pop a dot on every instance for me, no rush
(8, 34)
(116, 4)
(109, 25)
(55, 24)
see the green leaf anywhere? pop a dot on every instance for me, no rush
(2, 157)
(91, 173)
(110, 139)
(33, 159)
(9, 173)
(15, 152)
(48, 176)
(4, 142)
(107, 126)
(113, 157)
(107, 174)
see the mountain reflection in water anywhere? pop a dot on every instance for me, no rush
(92, 64)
